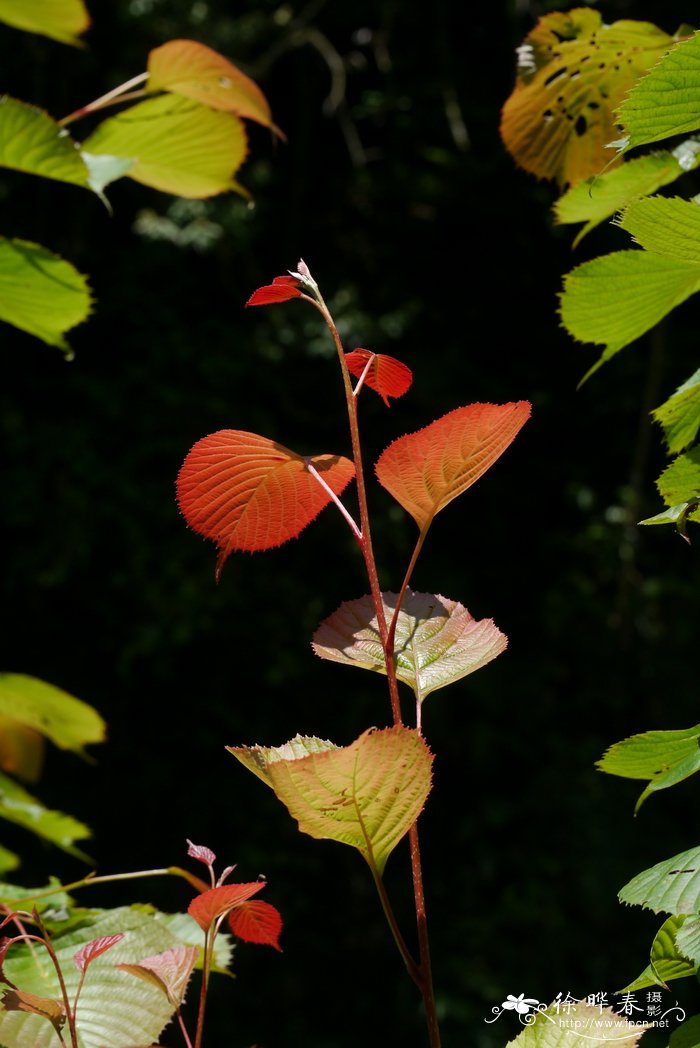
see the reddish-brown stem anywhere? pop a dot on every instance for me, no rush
(117, 94)
(425, 968)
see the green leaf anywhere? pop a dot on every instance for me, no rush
(688, 938)
(663, 757)
(65, 720)
(177, 145)
(61, 20)
(666, 101)
(578, 1026)
(114, 1008)
(32, 141)
(40, 293)
(8, 860)
(687, 1035)
(672, 886)
(667, 961)
(601, 196)
(680, 415)
(437, 641)
(674, 515)
(19, 897)
(680, 482)
(615, 299)
(367, 795)
(667, 226)
(259, 758)
(18, 806)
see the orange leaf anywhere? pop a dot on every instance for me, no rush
(247, 492)
(210, 905)
(573, 73)
(23, 1001)
(425, 470)
(258, 922)
(185, 67)
(386, 376)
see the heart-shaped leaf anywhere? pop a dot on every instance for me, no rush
(247, 492)
(386, 376)
(178, 146)
(186, 67)
(256, 921)
(437, 641)
(367, 795)
(63, 21)
(425, 470)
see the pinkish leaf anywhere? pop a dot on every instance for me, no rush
(281, 289)
(256, 921)
(386, 376)
(23, 1001)
(170, 971)
(210, 905)
(87, 953)
(425, 470)
(201, 852)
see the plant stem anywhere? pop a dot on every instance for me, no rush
(175, 871)
(411, 967)
(117, 94)
(426, 973)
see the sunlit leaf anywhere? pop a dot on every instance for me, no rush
(189, 68)
(666, 961)
(68, 722)
(104, 169)
(212, 904)
(662, 757)
(386, 376)
(280, 290)
(31, 141)
(573, 72)
(40, 293)
(23, 1001)
(367, 795)
(169, 970)
(247, 492)
(62, 20)
(426, 470)
(601, 196)
(21, 750)
(256, 921)
(680, 414)
(680, 482)
(615, 299)
(667, 226)
(177, 145)
(579, 1026)
(437, 641)
(258, 758)
(20, 807)
(667, 101)
(201, 853)
(672, 886)
(87, 953)
(678, 515)
(8, 860)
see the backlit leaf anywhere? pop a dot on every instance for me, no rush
(677, 515)
(247, 492)
(680, 415)
(201, 853)
(672, 886)
(601, 196)
(280, 290)
(437, 641)
(65, 720)
(62, 20)
(21, 750)
(258, 758)
(20, 807)
(666, 960)
(212, 904)
(169, 970)
(615, 299)
(680, 482)
(23, 1001)
(426, 470)
(31, 141)
(662, 757)
(667, 101)
(40, 293)
(667, 226)
(189, 68)
(386, 376)
(579, 1025)
(573, 72)
(256, 921)
(87, 953)
(688, 937)
(367, 795)
(178, 146)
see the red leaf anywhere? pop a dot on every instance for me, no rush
(201, 852)
(425, 470)
(205, 908)
(281, 289)
(386, 375)
(258, 922)
(247, 492)
(91, 950)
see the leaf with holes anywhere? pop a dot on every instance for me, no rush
(188, 68)
(63, 21)
(666, 102)
(207, 907)
(385, 375)
(177, 146)
(426, 470)
(573, 72)
(256, 921)
(437, 641)
(367, 795)
(247, 492)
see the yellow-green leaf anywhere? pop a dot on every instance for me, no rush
(667, 101)
(186, 67)
(367, 795)
(65, 720)
(31, 141)
(579, 1025)
(40, 292)
(258, 758)
(680, 414)
(178, 146)
(20, 807)
(668, 226)
(62, 20)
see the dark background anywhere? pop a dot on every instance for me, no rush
(429, 245)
